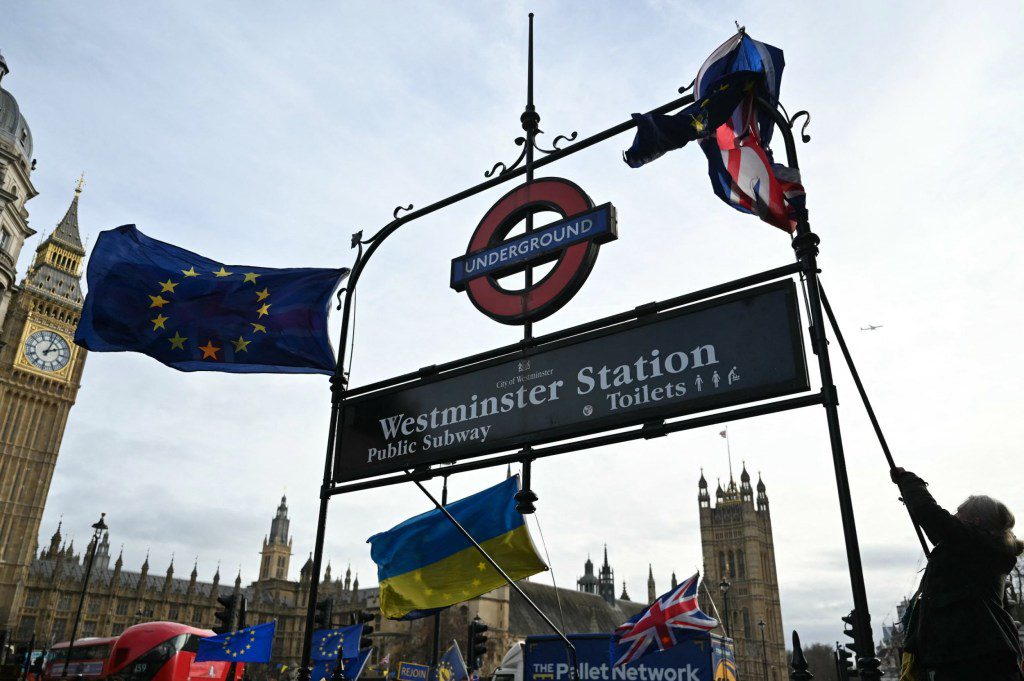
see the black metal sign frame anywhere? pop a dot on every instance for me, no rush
(402, 450)
(805, 245)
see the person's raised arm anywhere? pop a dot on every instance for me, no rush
(938, 523)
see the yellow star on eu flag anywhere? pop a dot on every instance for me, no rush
(158, 301)
(250, 276)
(158, 321)
(264, 311)
(190, 272)
(262, 295)
(223, 272)
(167, 286)
(177, 341)
(241, 345)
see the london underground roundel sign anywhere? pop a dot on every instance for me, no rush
(572, 242)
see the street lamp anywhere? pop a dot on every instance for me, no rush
(764, 650)
(724, 585)
(98, 529)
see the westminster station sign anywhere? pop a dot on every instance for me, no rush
(720, 353)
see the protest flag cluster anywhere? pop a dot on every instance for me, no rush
(732, 132)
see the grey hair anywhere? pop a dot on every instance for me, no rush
(993, 516)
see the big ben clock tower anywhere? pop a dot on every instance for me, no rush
(40, 373)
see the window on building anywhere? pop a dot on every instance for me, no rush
(122, 607)
(721, 563)
(57, 633)
(746, 624)
(32, 599)
(94, 606)
(89, 629)
(172, 612)
(197, 616)
(742, 567)
(64, 602)
(5, 239)
(27, 627)
(732, 564)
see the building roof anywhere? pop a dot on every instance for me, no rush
(13, 127)
(581, 612)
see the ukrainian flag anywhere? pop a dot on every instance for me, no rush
(425, 564)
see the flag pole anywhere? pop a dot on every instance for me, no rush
(504, 575)
(867, 407)
(435, 652)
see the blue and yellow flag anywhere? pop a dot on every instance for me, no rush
(252, 644)
(195, 314)
(425, 564)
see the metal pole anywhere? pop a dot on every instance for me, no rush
(806, 247)
(97, 530)
(764, 650)
(867, 405)
(724, 585)
(338, 384)
(28, 657)
(435, 651)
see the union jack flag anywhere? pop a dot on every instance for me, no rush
(669, 620)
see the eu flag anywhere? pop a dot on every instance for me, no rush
(451, 666)
(251, 644)
(328, 644)
(351, 667)
(195, 314)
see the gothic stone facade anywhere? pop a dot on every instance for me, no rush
(736, 535)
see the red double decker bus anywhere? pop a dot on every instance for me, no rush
(88, 658)
(153, 651)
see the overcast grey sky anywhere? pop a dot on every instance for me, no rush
(266, 133)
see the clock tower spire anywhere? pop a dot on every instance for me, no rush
(40, 373)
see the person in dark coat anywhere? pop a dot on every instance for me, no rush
(959, 629)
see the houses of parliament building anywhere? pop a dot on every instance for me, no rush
(41, 582)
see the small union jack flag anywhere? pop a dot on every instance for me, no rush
(671, 619)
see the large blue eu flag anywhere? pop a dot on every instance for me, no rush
(195, 314)
(252, 644)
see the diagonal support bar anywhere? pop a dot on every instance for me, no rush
(574, 663)
(867, 405)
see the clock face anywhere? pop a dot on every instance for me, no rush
(47, 350)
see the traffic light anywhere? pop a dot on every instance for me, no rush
(844, 663)
(241, 611)
(363, 617)
(477, 647)
(324, 610)
(228, 617)
(850, 630)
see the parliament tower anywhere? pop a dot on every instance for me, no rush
(736, 537)
(40, 366)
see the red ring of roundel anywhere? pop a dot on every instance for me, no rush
(563, 281)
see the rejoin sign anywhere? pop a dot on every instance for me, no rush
(718, 353)
(573, 242)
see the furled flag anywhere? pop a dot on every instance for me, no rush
(733, 134)
(451, 667)
(328, 644)
(351, 667)
(424, 564)
(194, 314)
(673, 618)
(251, 644)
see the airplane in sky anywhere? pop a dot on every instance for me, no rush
(871, 327)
